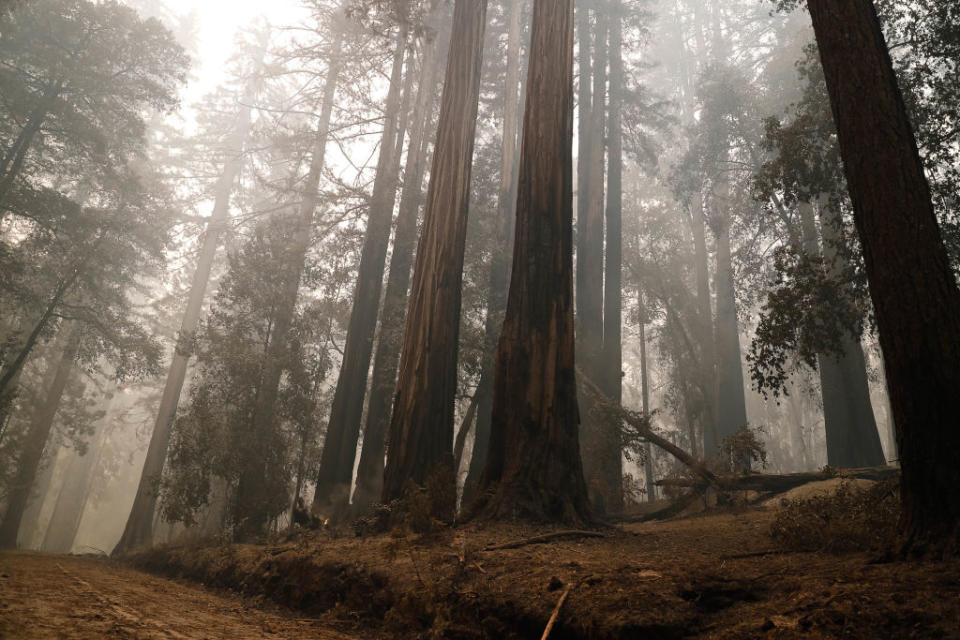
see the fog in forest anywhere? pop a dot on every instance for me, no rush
(276, 267)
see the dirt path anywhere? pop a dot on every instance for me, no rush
(44, 596)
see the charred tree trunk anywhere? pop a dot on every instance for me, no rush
(393, 312)
(421, 428)
(41, 425)
(533, 466)
(502, 250)
(139, 528)
(915, 295)
(343, 430)
(851, 428)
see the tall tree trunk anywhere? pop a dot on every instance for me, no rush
(501, 251)
(730, 398)
(645, 397)
(533, 466)
(421, 428)
(584, 99)
(705, 335)
(393, 312)
(138, 530)
(252, 482)
(612, 361)
(75, 490)
(851, 428)
(41, 425)
(915, 295)
(340, 445)
(595, 439)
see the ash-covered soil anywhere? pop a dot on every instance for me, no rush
(712, 576)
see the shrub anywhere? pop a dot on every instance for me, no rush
(852, 519)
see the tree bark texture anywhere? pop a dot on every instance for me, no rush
(502, 250)
(138, 530)
(41, 425)
(393, 311)
(915, 295)
(343, 430)
(533, 466)
(421, 428)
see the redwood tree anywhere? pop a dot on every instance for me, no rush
(421, 429)
(386, 358)
(533, 466)
(914, 293)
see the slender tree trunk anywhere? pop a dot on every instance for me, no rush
(501, 252)
(645, 395)
(41, 425)
(11, 373)
(139, 528)
(340, 445)
(595, 439)
(393, 311)
(851, 428)
(915, 295)
(533, 466)
(730, 398)
(705, 334)
(612, 361)
(253, 481)
(75, 490)
(12, 162)
(421, 428)
(584, 99)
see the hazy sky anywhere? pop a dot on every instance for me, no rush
(218, 23)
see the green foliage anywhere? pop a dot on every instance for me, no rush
(807, 313)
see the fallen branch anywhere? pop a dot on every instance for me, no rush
(547, 537)
(556, 612)
(641, 425)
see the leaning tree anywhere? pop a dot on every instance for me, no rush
(914, 292)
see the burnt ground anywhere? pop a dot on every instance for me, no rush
(44, 596)
(709, 576)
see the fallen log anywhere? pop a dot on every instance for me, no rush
(781, 483)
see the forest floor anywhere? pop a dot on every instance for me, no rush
(44, 596)
(714, 575)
